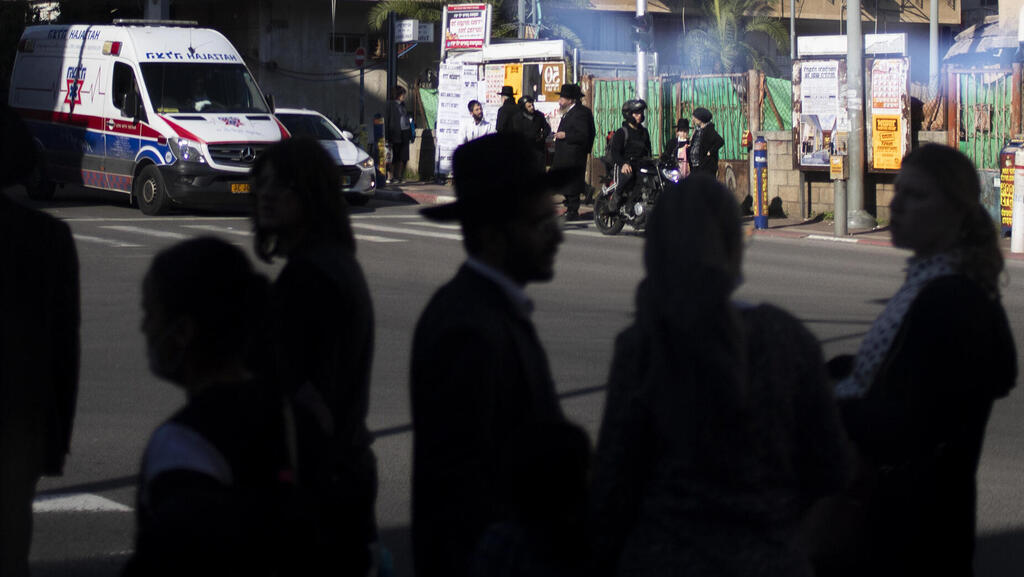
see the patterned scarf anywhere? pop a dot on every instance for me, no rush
(876, 345)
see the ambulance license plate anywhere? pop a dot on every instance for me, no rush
(240, 188)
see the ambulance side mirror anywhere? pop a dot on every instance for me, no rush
(131, 105)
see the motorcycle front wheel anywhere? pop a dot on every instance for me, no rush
(607, 221)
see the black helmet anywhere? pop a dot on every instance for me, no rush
(631, 106)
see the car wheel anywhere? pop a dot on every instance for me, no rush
(38, 186)
(151, 192)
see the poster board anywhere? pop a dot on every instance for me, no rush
(465, 27)
(888, 119)
(821, 125)
(458, 83)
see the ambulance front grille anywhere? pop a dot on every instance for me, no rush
(236, 154)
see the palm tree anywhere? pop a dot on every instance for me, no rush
(722, 43)
(501, 27)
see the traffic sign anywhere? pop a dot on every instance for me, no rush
(360, 57)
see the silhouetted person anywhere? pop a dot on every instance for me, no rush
(705, 144)
(479, 371)
(533, 126)
(505, 120)
(573, 143)
(39, 346)
(399, 134)
(924, 380)
(719, 429)
(211, 475)
(543, 477)
(323, 336)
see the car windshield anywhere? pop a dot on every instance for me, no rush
(191, 87)
(310, 126)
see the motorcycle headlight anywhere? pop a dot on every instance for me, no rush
(367, 162)
(185, 149)
(670, 174)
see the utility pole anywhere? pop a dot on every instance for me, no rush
(933, 50)
(642, 32)
(157, 10)
(522, 19)
(792, 30)
(857, 216)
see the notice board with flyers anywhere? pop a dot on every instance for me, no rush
(887, 83)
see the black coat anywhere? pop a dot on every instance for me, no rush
(478, 373)
(534, 127)
(630, 143)
(506, 116)
(925, 417)
(704, 145)
(578, 126)
(39, 337)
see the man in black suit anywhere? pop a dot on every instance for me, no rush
(479, 372)
(508, 111)
(39, 347)
(573, 143)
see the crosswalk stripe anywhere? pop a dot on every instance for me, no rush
(413, 232)
(434, 225)
(106, 241)
(154, 218)
(592, 233)
(224, 229)
(77, 503)
(372, 238)
(149, 232)
(379, 216)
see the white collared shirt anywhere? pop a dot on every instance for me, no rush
(512, 290)
(473, 129)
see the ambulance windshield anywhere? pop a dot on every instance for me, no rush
(191, 87)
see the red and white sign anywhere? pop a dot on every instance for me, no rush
(360, 57)
(467, 26)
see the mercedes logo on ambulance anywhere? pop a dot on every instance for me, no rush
(248, 154)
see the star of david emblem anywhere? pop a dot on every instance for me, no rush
(74, 92)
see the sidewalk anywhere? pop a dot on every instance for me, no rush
(816, 229)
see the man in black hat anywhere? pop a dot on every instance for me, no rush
(573, 143)
(704, 145)
(508, 110)
(479, 372)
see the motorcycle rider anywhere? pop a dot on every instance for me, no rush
(629, 144)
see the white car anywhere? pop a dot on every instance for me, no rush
(357, 170)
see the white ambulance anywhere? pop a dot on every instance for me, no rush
(165, 112)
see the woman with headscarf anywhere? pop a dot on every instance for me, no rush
(924, 380)
(532, 124)
(704, 146)
(719, 430)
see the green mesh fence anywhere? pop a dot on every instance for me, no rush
(780, 93)
(428, 96)
(609, 95)
(719, 95)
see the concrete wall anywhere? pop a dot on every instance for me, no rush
(818, 196)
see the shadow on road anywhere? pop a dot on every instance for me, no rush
(92, 487)
(1000, 554)
(107, 566)
(398, 542)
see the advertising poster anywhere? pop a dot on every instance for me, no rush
(819, 111)
(466, 26)
(451, 112)
(514, 78)
(889, 109)
(887, 140)
(552, 78)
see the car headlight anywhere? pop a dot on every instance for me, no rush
(186, 149)
(367, 163)
(671, 174)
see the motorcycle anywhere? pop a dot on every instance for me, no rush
(613, 210)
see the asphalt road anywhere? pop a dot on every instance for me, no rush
(84, 520)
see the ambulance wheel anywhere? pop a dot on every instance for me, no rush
(37, 186)
(607, 221)
(151, 192)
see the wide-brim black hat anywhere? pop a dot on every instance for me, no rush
(683, 124)
(572, 91)
(493, 172)
(507, 91)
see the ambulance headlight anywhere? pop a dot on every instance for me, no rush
(185, 149)
(367, 162)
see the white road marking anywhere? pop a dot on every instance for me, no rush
(77, 503)
(154, 219)
(414, 232)
(435, 225)
(105, 241)
(372, 238)
(224, 229)
(592, 233)
(379, 216)
(149, 232)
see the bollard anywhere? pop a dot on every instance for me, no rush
(760, 196)
(380, 147)
(1017, 233)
